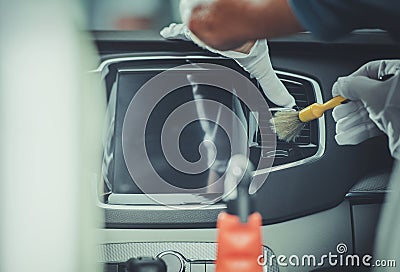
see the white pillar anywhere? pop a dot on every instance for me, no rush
(47, 215)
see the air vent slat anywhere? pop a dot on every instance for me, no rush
(299, 95)
(303, 98)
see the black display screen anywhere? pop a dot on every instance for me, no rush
(191, 136)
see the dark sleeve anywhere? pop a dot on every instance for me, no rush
(331, 19)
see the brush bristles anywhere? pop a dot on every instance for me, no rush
(287, 125)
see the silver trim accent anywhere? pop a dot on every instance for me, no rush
(281, 109)
(291, 81)
(137, 58)
(367, 193)
(160, 207)
(161, 69)
(172, 199)
(321, 125)
(176, 254)
(193, 207)
(307, 146)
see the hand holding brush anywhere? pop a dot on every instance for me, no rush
(288, 124)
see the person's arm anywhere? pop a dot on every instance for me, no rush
(374, 92)
(227, 24)
(252, 56)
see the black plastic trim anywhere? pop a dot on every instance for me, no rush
(360, 198)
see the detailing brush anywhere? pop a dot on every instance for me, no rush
(288, 124)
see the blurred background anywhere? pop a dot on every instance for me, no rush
(52, 113)
(131, 14)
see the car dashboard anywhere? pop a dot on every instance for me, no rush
(309, 186)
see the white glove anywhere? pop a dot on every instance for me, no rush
(353, 124)
(381, 99)
(257, 63)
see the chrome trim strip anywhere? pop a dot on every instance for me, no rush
(137, 58)
(321, 125)
(367, 194)
(106, 206)
(291, 81)
(280, 109)
(139, 207)
(161, 69)
(307, 146)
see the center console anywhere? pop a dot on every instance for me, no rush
(179, 257)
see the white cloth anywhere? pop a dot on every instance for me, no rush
(257, 63)
(369, 95)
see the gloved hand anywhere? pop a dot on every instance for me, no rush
(256, 62)
(353, 124)
(380, 99)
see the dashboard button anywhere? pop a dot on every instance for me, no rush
(210, 267)
(174, 261)
(197, 267)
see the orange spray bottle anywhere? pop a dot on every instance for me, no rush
(239, 242)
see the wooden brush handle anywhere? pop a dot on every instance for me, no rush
(338, 100)
(316, 110)
(334, 102)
